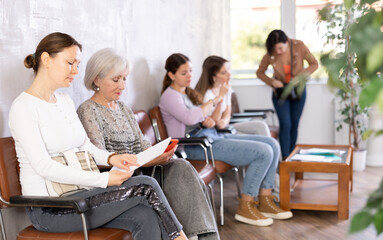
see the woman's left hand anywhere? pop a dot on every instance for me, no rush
(163, 159)
(220, 124)
(124, 161)
(208, 122)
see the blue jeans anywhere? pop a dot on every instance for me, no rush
(289, 112)
(138, 205)
(259, 153)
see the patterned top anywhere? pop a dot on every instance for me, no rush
(113, 130)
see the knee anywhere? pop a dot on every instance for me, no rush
(285, 124)
(144, 214)
(181, 164)
(268, 154)
(274, 143)
(147, 180)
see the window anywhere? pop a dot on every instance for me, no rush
(252, 21)
(310, 31)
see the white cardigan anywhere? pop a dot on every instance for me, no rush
(42, 130)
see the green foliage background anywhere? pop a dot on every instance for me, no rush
(365, 36)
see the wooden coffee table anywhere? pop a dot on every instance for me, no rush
(317, 194)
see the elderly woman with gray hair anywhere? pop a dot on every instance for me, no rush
(111, 125)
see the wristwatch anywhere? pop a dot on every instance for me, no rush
(214, 104)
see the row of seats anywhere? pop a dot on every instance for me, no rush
(10, 188)
(154, 130)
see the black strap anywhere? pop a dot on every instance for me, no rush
(291, 60)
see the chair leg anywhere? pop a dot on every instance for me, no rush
(221, 212)
(2, 227)
(212, 200)
(238, 183)
(84, 226)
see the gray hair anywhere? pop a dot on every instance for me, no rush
(101, 63)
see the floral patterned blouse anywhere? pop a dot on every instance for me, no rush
(112, 130)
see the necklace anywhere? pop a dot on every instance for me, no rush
(51, 99)
(103, 101)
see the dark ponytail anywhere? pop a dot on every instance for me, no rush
(172, 64)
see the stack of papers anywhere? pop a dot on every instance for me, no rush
(311, 158)
(148, 155)
(321, 151)
(318, 155)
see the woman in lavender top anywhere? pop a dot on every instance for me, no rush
(185, 114)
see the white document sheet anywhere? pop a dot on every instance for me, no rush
(149, 154)
(311, 158)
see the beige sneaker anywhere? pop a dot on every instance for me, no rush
(269, 209)
(248, 213)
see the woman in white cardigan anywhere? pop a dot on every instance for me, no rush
(44, 124)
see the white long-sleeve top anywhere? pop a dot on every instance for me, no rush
(42, 130)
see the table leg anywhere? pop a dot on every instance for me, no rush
(298, 175)
(343, 193)
(284, 188)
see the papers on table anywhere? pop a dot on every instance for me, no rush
(149, 154)
(318, 155)
(321, 151)
(311, 158)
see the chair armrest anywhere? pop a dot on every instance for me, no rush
(259, 110)
(228, 129)
(203, 142)
(104, 168)
(180, 154)
(249, 115)
(239, 120)
(79, 204)
(193, 140)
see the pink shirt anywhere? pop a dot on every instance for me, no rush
(176, 114)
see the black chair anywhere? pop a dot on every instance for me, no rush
(10, 196)
(250, 114)
(219, 166)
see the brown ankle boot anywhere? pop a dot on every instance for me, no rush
(268, 208)
(248, 213)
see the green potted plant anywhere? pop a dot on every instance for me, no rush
(343, 76)
(365, 42)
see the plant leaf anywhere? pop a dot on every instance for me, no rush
(379, 100)
(370, 92)
(367, 134)
(367, 1)
(348, 3)
(378, 221)
(375, 57)
(379, 132)
(360, 221)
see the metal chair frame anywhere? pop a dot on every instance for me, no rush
(219, 175)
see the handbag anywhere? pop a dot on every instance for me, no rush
(76, 159)
(293, 96)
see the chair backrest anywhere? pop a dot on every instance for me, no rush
(234, 103)
(145, 125)
(9, 170)
(155, 113)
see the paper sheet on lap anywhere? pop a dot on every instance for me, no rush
(149, 154)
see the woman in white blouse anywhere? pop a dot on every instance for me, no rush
(44, 123)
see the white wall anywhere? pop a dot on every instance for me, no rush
(317, 121)
(145, 31)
